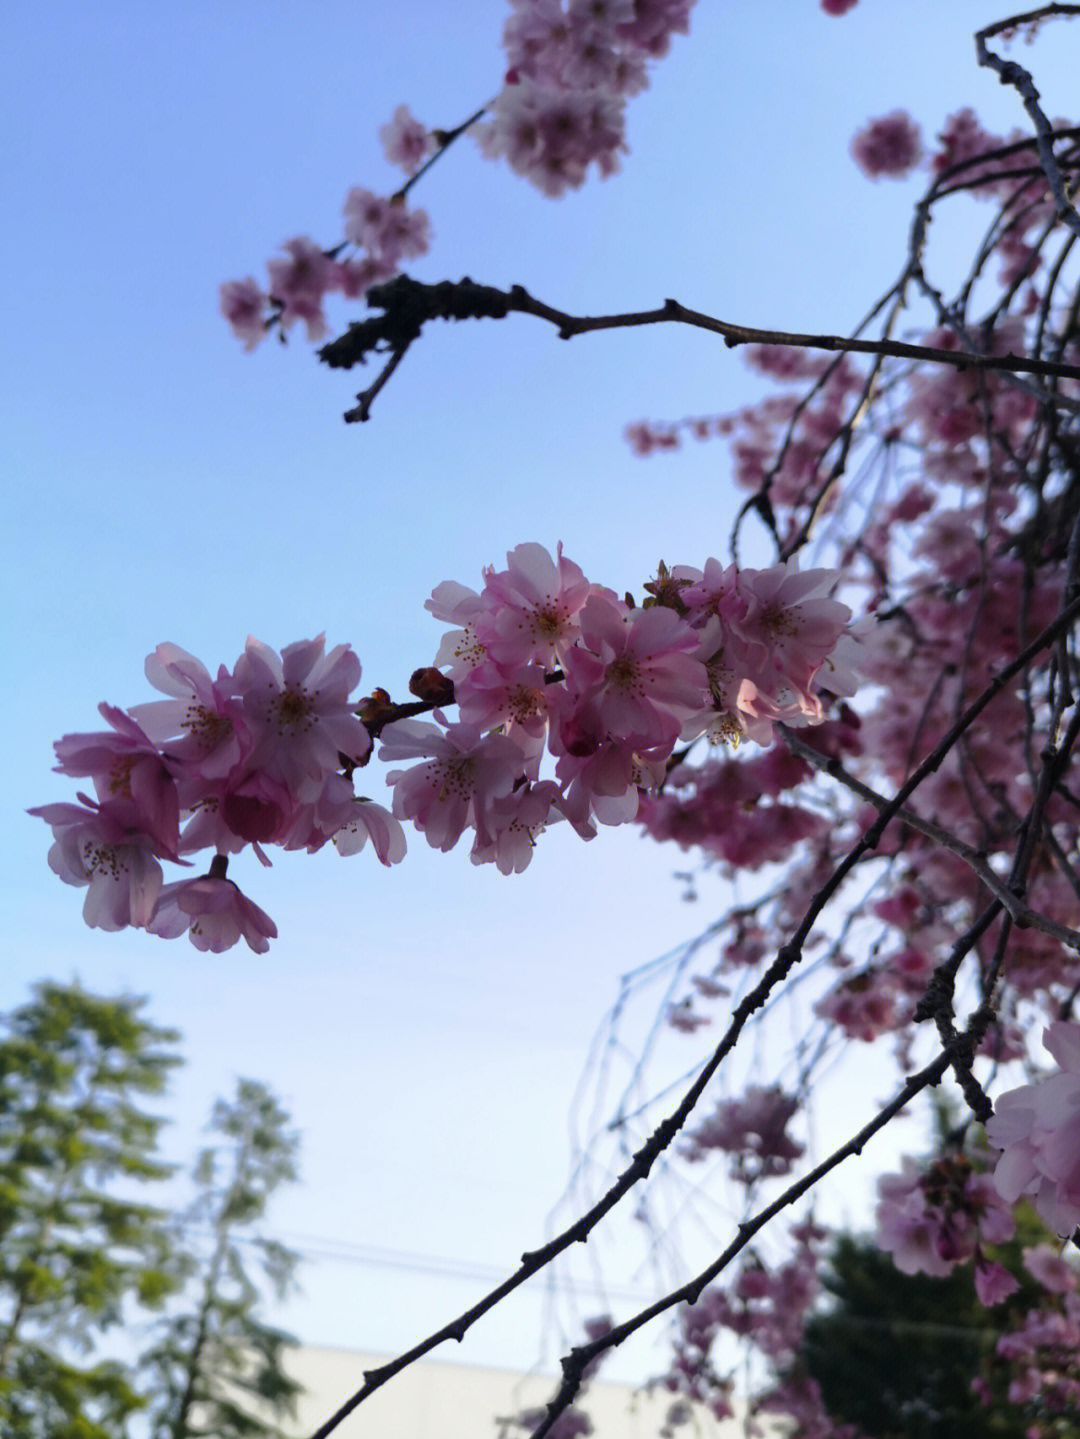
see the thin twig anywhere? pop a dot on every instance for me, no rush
(1022, 915)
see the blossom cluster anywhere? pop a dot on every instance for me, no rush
(380, 233)
(1042, 1354)
(571, 69)
(571, 66)
(546, 663)
(931, 487)
(766, 1305)
(753, 1129)
(541, 661)
(260, 755)
(935, 1218)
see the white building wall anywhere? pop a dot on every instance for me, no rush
(433, 1400)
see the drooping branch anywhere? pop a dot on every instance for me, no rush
(407, 305)
(786, 959)
(575, 1364)
(1021, 914)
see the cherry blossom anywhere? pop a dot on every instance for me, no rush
(890, 146)
(243, 305)
(1037, 1128)
(407, 143)
(98, 846)
(298, 706)
(214, 915)
(464, 774)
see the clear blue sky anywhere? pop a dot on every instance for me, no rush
(425, 1026)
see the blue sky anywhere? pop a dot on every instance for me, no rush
(426, 1026)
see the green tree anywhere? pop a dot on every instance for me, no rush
(217, 1367)
(895, 1353)
(75, 1251)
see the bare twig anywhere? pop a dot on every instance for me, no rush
(1009, 72)
(1022, 915)
(408, 305)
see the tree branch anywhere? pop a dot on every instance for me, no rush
(1022, 915)
(408, 305)
(1009, 72)
(787, 957)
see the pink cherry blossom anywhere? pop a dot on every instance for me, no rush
(1037, 1128)
(535, 604)
(368, 820)
(465, 773)
(299, 283)
(243, 305)
(907, 1226)
(994, 1283)
(202, 726)
(385, 226)
(631, 678)
(891, 145)
(753, 1127)
(96, 846)
(214, 914)
(298, 707)
(128, 773)
(512, 824)
(406, 142)
(1050, 1267)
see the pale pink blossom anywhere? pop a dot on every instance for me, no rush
(299, 283)
(97, 846)
(127, 772)
(512, 824)
(1050, 1267)
(788, 616)
(405, 141)
(243, 305)
(907, 1226)
(463, 648)
(214, 914)
(464, 774)
(386, 227)
(993, 1283)
(1037, 1128)
(366, 215)
(632, 678)
(202, 725)
(753, 1127)
(298, 708)
(368, 820)
(519, 698)
(534, 605)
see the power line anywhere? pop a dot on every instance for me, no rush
(342, 1251)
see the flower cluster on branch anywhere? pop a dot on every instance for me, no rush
(541, 662)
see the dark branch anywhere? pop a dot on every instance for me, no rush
(408, 305)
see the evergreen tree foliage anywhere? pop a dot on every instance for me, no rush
(895, 1353)
(75, 1250)
(216, 1365)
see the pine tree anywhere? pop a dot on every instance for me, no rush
(75, 1251)
(217, 1366)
